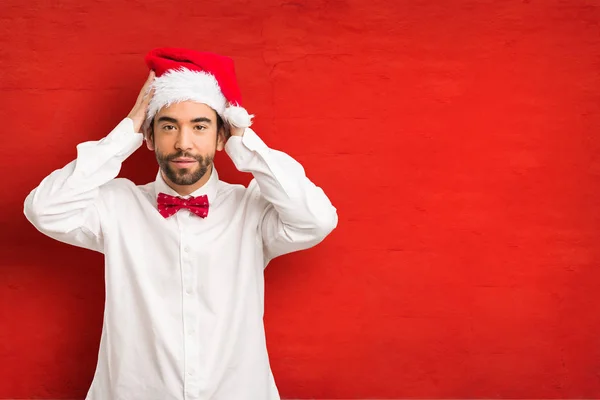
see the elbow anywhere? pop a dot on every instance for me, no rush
(325, 223)
(39, 214)
(312, 230)
(33, 212)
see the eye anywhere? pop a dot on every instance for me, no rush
(200, 127)
(168, 127)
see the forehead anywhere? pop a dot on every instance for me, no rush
(187, 110)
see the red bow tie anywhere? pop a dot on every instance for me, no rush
(169, 205)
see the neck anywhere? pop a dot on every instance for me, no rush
(184, 190)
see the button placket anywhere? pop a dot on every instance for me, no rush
(190, 313)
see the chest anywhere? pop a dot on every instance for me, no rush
(219, 252)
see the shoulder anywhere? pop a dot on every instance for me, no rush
(238, 193)
(231, 191)
(124, 188)
(117, 185)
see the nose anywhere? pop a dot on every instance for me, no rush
(184, 139)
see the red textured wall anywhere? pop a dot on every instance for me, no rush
(458, 139)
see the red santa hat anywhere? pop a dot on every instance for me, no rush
(203, 77)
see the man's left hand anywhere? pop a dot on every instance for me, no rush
(231, 130)
(235, 131)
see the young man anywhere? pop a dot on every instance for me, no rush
(184, 255)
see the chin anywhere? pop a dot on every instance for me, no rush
(185, 177)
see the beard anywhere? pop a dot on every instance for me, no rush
(184, 176)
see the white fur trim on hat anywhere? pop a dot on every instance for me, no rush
(185, 85)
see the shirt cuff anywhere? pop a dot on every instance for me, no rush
(242, 148)
(123, 138)
(123, 131)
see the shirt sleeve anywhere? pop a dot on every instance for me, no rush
(65, 204)
(299, 215)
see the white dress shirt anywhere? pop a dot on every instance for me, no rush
(184, 295)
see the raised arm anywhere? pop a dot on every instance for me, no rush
(65, 204)
(299, 215)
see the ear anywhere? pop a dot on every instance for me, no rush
(149, 138)
(221, 139)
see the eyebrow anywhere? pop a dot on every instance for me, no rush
(201, 119)
(174, 121)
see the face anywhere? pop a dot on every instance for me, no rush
(185, 138)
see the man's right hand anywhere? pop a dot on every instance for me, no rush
(138, 112)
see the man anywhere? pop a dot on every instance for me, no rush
(185, 254)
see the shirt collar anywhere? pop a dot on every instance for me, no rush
(209, 188)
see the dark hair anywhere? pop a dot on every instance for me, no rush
(219, 122)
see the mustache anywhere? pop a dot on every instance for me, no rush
(181, 154)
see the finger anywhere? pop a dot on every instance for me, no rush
(145, 88)
(147, 98)
(150, 79)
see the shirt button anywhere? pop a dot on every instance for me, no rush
(188, 291)
(186, 249)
